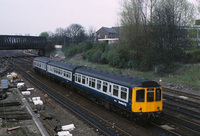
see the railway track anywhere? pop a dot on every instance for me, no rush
(183, 95)
(164, 126)
(181, 116)
(186, 124)
(171, 124)
(9, 67)
(105, 127)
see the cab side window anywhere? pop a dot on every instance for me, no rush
(140, 94)
(158, 94)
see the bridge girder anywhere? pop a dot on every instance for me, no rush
(8, 42)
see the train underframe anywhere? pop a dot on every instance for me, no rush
(140, 118)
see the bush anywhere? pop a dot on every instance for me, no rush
(88, 55)
(104, 58)
(71, 50)
(193, 55)
(96, 56)
(167, 68)
(94, 53)
(117, 58)
(86, 46)
(133, 64)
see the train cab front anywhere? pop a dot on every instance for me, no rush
(147, 102)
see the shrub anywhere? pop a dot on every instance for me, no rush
(104, 58)
(117, 58)
(168, 68)
(193, 55)
(86, 46)
(71, 50)
(96, 56)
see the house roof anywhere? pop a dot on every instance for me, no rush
(110, 30)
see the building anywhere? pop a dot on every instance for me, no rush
(110, 35)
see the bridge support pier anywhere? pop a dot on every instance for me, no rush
(41, 52)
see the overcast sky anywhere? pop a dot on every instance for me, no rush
(36, 16)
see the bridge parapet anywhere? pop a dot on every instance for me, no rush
(8, 42)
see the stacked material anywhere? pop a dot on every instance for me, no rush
(37, 101)
(66, 129)
(64, 133)
(26, 93)
(30, 89)
(19, 85)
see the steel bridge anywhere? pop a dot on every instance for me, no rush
(8, 42)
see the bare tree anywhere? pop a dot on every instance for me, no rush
(170, 20)
(76, 32)
(91, 34)
(134, 33)
(60, 36)
(153, 31)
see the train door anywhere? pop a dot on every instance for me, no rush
(110, 89)
(138, 99)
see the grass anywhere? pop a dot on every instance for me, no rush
(187, 75)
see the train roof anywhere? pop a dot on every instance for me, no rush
(63, 65)
(42, 59)
(59, 64)
(117, 78)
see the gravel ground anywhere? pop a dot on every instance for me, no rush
(181, 88)
(61, 114)
(28, 127)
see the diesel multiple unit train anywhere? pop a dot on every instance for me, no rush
(133, 97)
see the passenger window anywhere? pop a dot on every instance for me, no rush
(60, 72)
(76, 78)
(115, 90)
(79, 78)
(140, 95)
(90, 82)
(93, 82)
(99, 84)
(86, 81)
(110, 89)
(105, 87)
(83, 79)
(65, 74)
(158, 94)
(123, 93)
(150, 96)
(68, 74)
